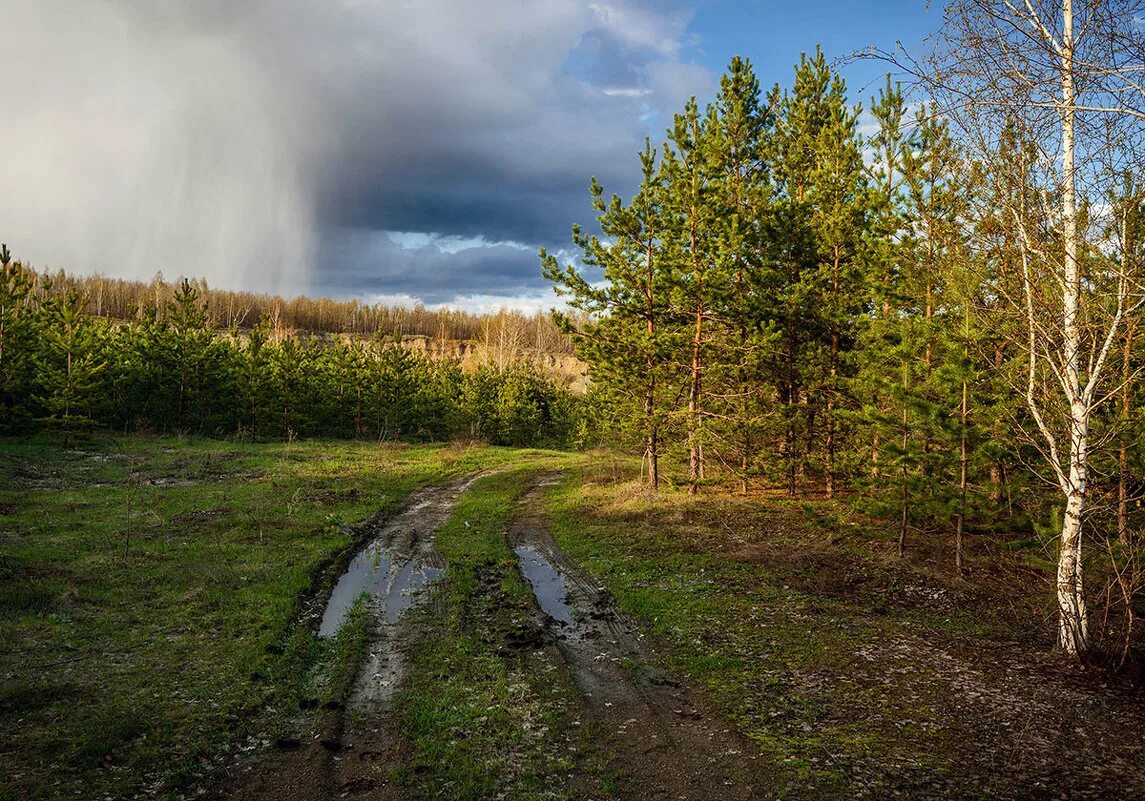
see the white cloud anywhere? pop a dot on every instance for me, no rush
(627, 91)
(416, 240)
(480, 303)
(644, 27)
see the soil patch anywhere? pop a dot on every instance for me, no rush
(334, 496)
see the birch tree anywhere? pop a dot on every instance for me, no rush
(1069, 77)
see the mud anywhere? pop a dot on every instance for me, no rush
(549, 587)
(352, 751)
(653, 730)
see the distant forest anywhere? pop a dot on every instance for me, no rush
(77, 354)
(125, 299)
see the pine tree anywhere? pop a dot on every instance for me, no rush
(743, 331)
(1127, 232)
(191, 341)
(16, 332)
(815, 238)
(68, 372)
(287, 365)
(698, 279)
(624, 335)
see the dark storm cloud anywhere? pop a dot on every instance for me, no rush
(270, 143)
(371, 263)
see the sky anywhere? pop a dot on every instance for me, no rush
(399, 151)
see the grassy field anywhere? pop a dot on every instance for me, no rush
(151, 597)
(147, 595)
(857, 673)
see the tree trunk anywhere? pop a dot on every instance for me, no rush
(1073, 620)
(1123, 453)
(905, 491)
(997, 472)
(830, 440)
(695, 453)
(789, 439)
(1073, 624)
(963, 465)
(652, 446)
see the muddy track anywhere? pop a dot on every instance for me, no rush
(353, 749)
(653, 730)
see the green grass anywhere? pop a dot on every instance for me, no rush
(487, 713)
(147, 592)
(751, 598)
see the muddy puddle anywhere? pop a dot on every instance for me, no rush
(394, 571)
(398, 562)
(391, 588)
(652, 729)
(549, 587)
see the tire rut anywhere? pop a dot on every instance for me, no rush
(654, 730)
(354, 748)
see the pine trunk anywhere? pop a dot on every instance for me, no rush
(652, 441)
(695, 452)
(1123, 453)
(963, 471)
(834, 371)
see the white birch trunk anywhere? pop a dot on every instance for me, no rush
(1073, 628)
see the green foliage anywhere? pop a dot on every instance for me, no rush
(17, 332)
(169, 370)
(785, 300)
(67, 368)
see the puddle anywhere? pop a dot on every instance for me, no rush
(549, 586)
(398, 562)
(391, 587)
(368, 572)
(413, 576)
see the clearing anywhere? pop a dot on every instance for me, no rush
(189, 618)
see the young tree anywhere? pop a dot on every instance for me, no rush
(815, 237)
(699, 280)
(742, 334)
(191, 340)
(1127, 233)
(69, 374)
(623, 334)
(15, 335)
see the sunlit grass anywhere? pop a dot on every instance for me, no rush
(147, 588)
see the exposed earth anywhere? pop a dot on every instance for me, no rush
(644, 730)
(654, 733)
(199, 621)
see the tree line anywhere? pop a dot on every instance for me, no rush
(126, 299)
(168, 369)
(938, 319)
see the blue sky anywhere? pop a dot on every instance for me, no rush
(400, 152)
(773, 34)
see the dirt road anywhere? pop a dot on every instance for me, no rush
(653, 734)
(353, 747)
